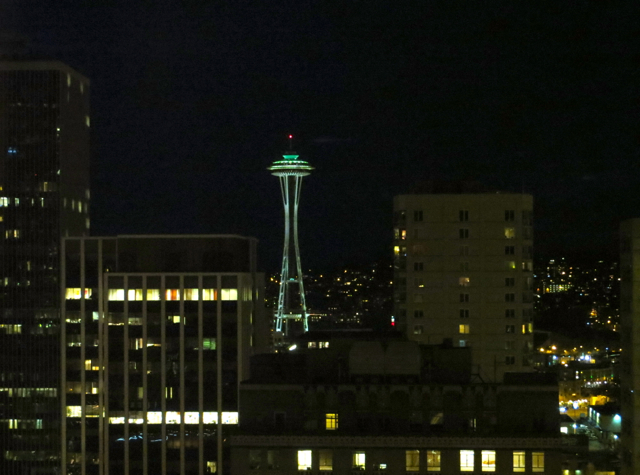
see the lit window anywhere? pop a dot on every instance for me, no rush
(462, 343)
(412, 460)
(359, 460)
(172, 294)
(208, 343)
(418, 329)
(116, 294)
(74, 411)
(91, 366)
(518, 462)
(433, 461)
(331, 421)
(323, 344)
(510, 233)
(209, 294)
(4, 201)
(87, 121)
(510, 265)
(464, 281)
(229, 417)
(153, 294)
(229, 294)
(11, 329)
(466, 460)
(537, 462)
(191, 417)
(464, 329)
(325, 460)
(191, 294)
(304, 459)
(172, 417)
(312, 344)
(488, 461)
(134, 294)
(212, 467)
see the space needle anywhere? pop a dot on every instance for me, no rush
(291, 301)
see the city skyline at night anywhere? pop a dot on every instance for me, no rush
(197, 98)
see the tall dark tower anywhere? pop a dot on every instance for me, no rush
(291, 301)
(44, 195)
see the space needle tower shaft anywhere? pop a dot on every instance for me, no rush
(291, 299)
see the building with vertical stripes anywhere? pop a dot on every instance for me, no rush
(630, 338)
(463, 262)
(157, 334)
(44, 195)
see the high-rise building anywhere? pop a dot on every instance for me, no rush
(157, 332)
(630, 334)
(44, 194)
(463, 274)
(291, 299)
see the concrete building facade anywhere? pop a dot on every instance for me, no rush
(464, 275)
(387, 406)
(157, 335)
(630, 335)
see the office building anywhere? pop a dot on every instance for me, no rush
(463, 264)
(44, 194)
(157, 334)
(364, 403)
(630, 334)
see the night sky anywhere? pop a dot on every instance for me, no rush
(192, 100)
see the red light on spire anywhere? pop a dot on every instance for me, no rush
(290, 136)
